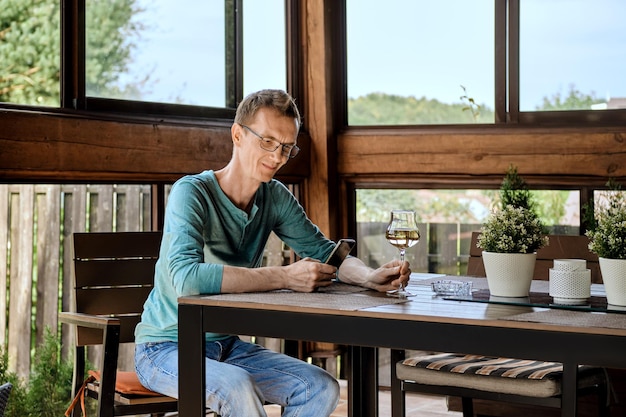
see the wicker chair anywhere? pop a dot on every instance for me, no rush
(5, 391)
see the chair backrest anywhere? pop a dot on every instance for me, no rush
(559, 247)
(113, 275)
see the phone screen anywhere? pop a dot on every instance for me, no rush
(339, 253)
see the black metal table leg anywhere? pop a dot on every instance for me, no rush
(569, 388)
(363, 382)
(191, 364)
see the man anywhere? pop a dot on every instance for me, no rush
(216, 227)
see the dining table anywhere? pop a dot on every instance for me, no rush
(534, 327)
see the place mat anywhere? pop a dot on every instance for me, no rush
(339, 301)
(341, 288)
(564, 317)
(539, 299)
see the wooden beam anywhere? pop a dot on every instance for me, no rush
(576, 153)
(57, 147)
(321, 38)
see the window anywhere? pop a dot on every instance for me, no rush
(572, 55)
(485, 61)
(446, 219)
(415, 62)
(144, 56)
(264, 52)
(181, 51)
(158, 51)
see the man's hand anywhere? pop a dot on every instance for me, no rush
(385, 278)
(308, 274)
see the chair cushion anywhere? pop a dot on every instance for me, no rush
(126, 382)
(493, 374)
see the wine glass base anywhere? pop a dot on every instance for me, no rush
(400, 293)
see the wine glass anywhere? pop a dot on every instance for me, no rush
(402, 232)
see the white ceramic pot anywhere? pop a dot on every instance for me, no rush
(509, 274)
(614, 279)
(570, 286)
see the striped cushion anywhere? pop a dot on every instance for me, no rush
(492, 374)
(488, 365)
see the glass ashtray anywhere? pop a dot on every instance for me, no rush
(447, 287)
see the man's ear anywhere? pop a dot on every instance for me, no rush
(235, 132)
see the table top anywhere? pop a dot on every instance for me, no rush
(426, 306)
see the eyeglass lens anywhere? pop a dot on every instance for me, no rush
(271, 145)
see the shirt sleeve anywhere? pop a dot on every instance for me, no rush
(186, 215)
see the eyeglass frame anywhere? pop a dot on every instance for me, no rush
(293, 149)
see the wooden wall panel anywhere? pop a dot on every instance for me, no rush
(54, 147)
(536, 152)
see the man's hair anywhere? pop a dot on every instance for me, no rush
(277, 100)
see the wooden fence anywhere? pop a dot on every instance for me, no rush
(35, 256)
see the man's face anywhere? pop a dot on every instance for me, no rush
(267, 130)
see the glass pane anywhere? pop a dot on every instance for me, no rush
(572, 55)
(30, 48)
(264, 52)
(446, 219)
(420, 61)
(169, 51)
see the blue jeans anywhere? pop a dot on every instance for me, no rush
(241, 377)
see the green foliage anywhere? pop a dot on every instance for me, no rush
(389, 109)
(471, 106)
(30, 49)
(50, 383)
(48, 391)
(17, 399)
(110, 33)
(550, 205)
(375, 205)
(607, 233)
(575, 100)
(515, 227)
(30, 52)
(514, 190)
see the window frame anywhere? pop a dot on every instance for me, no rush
(506, 77)
(73, 55)
(506, 82)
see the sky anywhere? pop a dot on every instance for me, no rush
(409, 53)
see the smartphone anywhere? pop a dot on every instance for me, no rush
(341, 250)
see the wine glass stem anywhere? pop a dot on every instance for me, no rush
(401, 262)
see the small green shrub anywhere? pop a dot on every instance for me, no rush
(47, 393)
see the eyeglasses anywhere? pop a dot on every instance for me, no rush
(270, 145)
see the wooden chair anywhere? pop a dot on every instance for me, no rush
(113, 275)
(469, 386)
(324, 355)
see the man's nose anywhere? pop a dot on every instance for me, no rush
(277, 154)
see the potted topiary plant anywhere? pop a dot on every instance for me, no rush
(607, 239)
(510, 238)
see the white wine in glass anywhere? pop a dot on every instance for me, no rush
(402, 232)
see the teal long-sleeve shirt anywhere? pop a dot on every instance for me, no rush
(204, 230)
